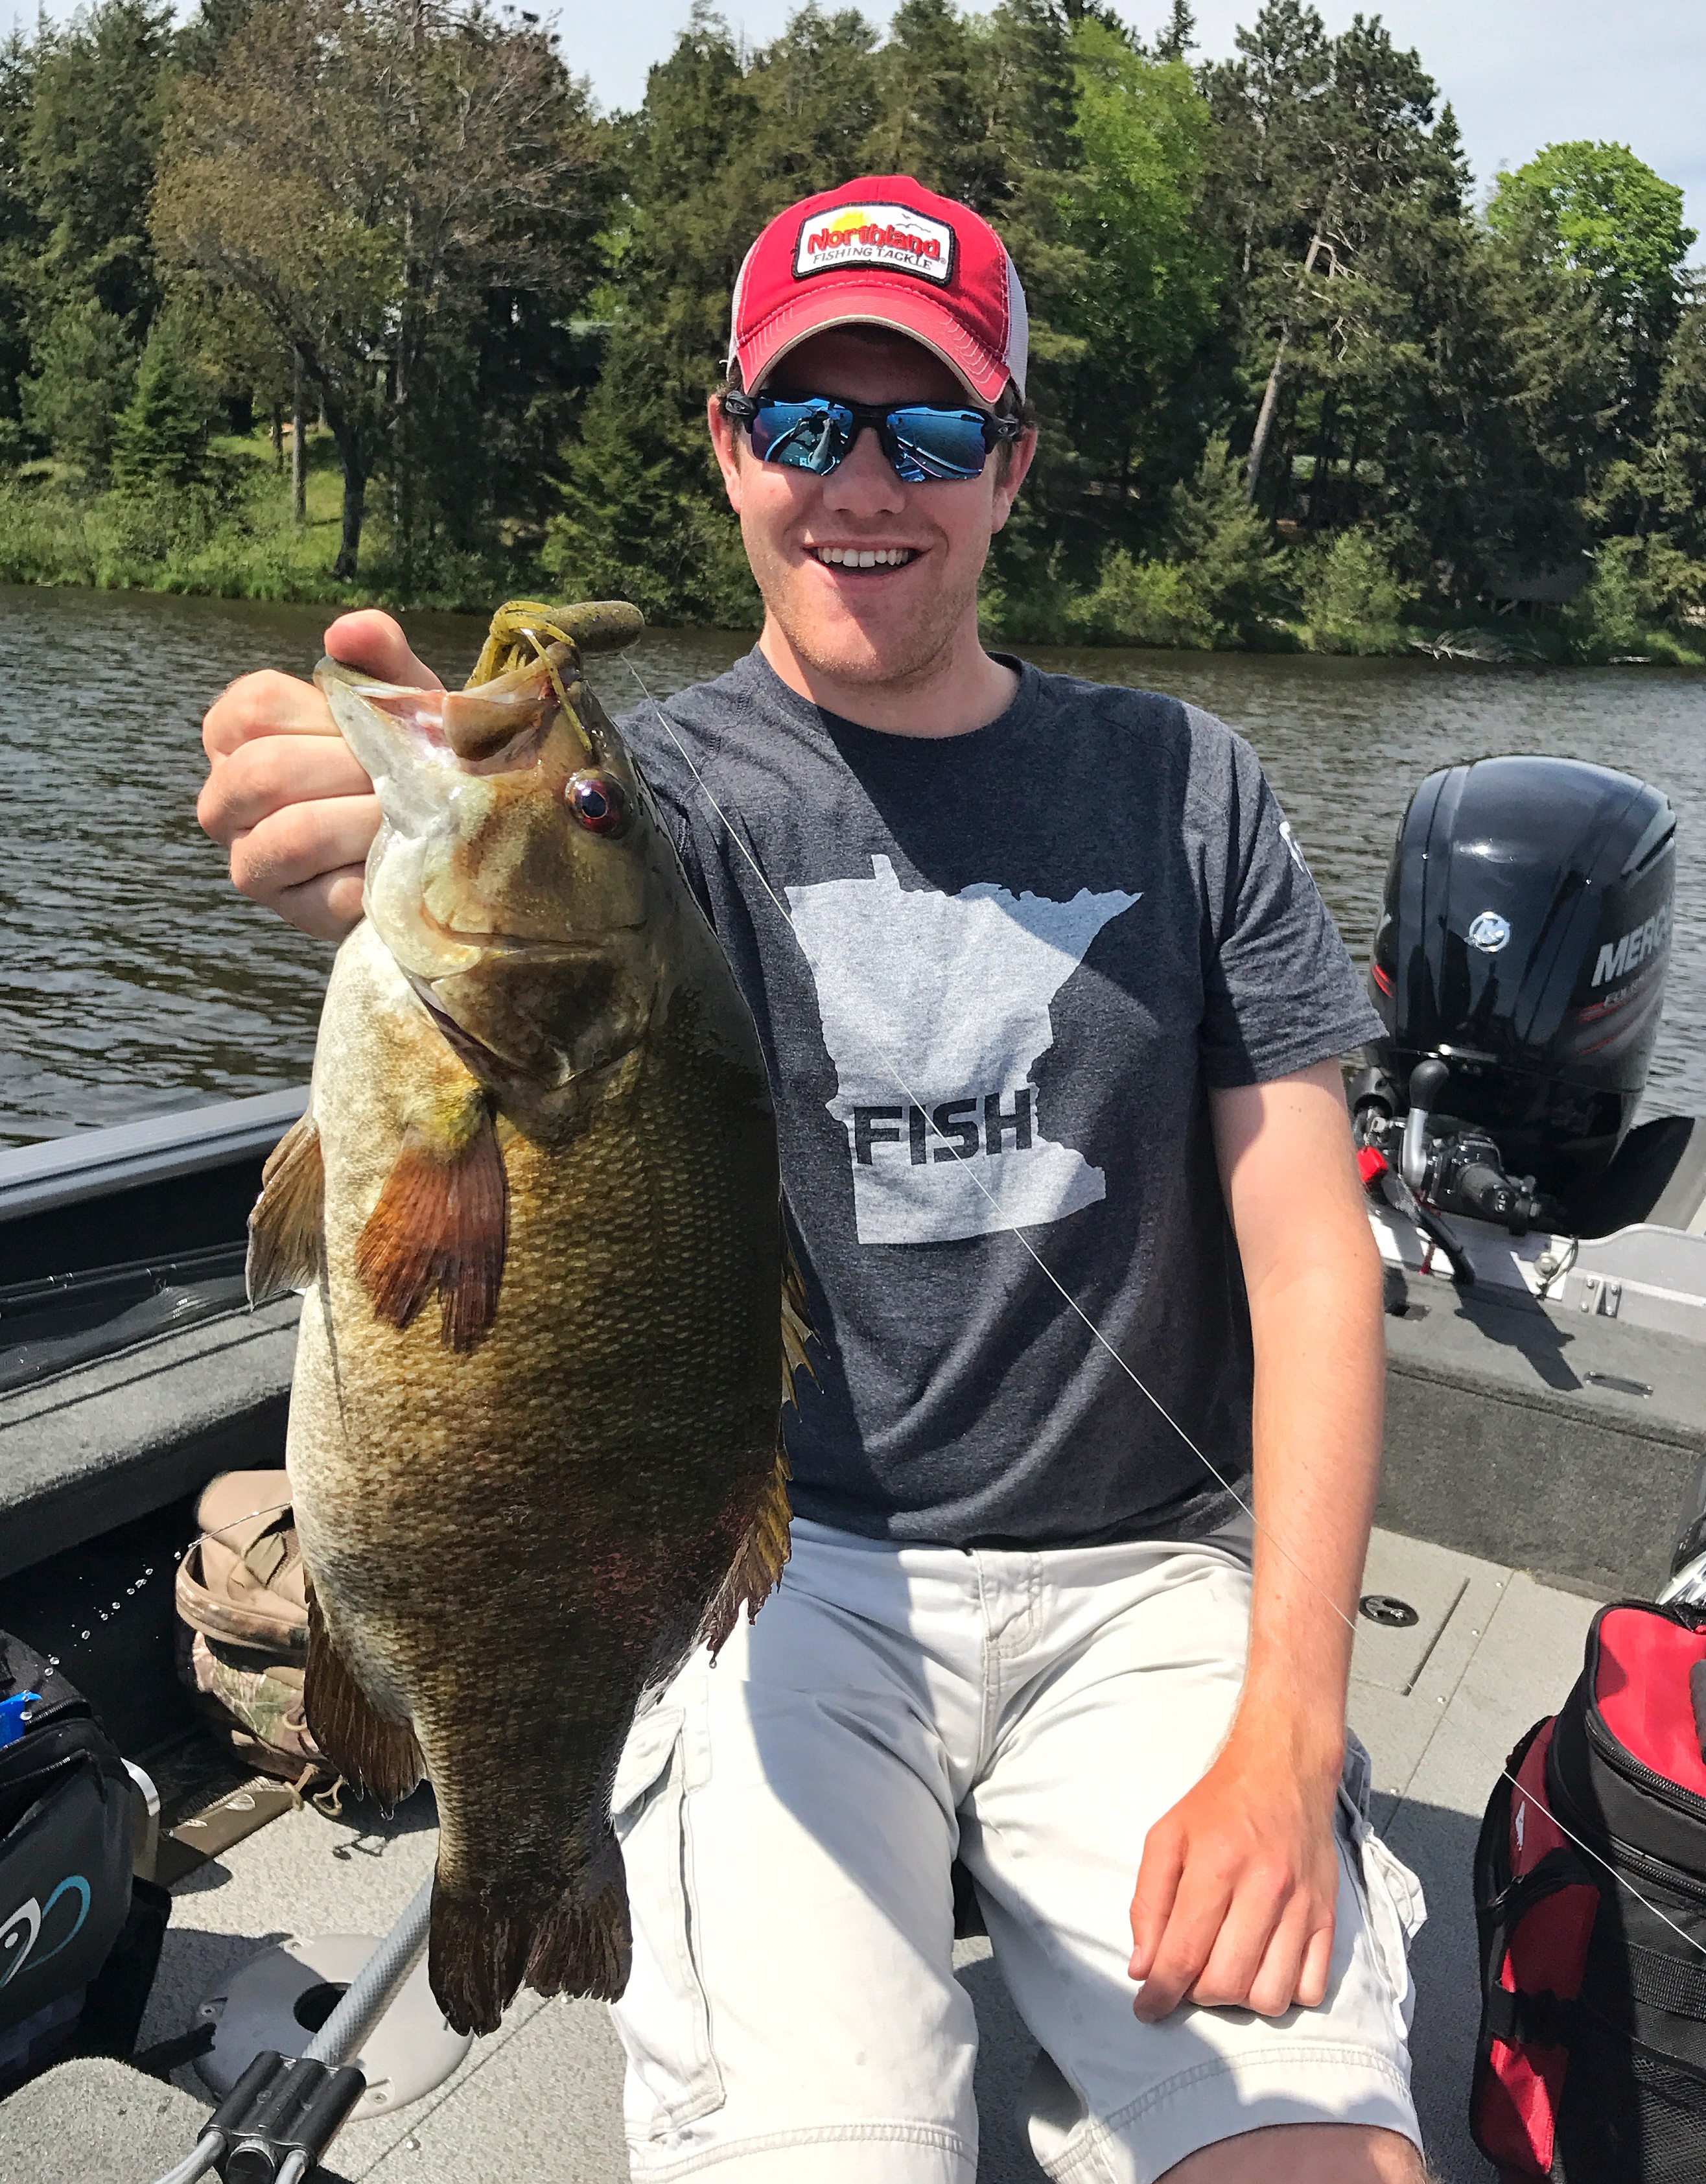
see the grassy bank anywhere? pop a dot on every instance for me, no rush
(232, 538)
(1230, 588)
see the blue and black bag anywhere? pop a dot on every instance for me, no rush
(80, 1934)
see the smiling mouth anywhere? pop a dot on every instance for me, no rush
(865, 557)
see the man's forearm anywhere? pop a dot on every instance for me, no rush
(1312, 1275)
(1234, 1902)
(1316, 1435)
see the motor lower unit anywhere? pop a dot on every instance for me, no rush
(1519, 967)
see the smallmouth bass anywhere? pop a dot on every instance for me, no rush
(533, 1443)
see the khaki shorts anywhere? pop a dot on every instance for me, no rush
(789, 1818)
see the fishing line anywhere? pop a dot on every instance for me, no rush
(1279, 1545)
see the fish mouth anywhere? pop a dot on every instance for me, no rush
(494, 942)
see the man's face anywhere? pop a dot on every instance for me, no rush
(888, 623)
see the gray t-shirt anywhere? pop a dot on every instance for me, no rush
(1018, 959)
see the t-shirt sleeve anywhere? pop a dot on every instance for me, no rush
(1280, 990)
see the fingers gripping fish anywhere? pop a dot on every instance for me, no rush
(533, 1441)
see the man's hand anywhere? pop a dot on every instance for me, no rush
(1236, 1895)
(284, 793)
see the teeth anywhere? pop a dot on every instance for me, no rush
(864, 557)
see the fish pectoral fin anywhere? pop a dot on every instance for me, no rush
(442, 1223)
(756, 1569)
(378, 1755)
(284, 1226)
(796, 1323)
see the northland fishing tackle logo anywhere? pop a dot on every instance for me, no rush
(886, 235)
(951, 993)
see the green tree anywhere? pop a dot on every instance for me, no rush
(368, 175)
(1674, 470)
(1222, 542)
(81, 108)
(1598, 240)
(1614, 223)
(1343, 154)
(1373, 364)
(1653, 569)
(1218, 584)
(1179, 35)
(1352, 599)
(1133, 208)
(160, 436)
(935, 80)
(99, 92)
(20, 238)
(1032, 108)
(84, 363)
(719, 145)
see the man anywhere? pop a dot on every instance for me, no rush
(1051, 1008)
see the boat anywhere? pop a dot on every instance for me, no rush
(1545, 1257)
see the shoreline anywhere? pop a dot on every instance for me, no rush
(1489, 642)
(238, 541)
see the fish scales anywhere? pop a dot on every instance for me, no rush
(519, 1510)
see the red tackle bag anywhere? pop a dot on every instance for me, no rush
(1590, 1901)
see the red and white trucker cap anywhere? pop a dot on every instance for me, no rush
(883, 250)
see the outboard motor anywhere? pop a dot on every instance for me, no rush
(1519, 965)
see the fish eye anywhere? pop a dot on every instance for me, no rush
(598, 802)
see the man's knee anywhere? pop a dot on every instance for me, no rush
(1305, 2153)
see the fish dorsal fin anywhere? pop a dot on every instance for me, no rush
(796, 1322)
(756, 1569)
(284, 1228)
(380, 1755)
(441, 1223)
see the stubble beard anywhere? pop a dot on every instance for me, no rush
(901, 656)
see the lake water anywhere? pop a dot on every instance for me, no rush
(137, 981)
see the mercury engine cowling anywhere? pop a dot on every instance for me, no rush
(1523, 944)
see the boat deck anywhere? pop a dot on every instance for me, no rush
(1438, 1703)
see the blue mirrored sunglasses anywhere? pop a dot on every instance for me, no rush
(815, 432)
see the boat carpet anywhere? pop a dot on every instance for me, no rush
(94, 2121)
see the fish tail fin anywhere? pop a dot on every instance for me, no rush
(284, 1226)
(756, 1569)
(380, 1755)
(477, 1956)
(584, 1946)
(483, 1947)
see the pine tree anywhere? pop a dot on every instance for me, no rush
(1177, 39)
(83, 364)
(161, 435)
(935, 80)
(20, 238)
(718, 147)
(99, 94)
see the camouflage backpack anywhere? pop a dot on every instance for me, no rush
(243, 1646)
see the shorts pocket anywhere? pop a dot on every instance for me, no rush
(663, 2018)
(1391, 1895)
